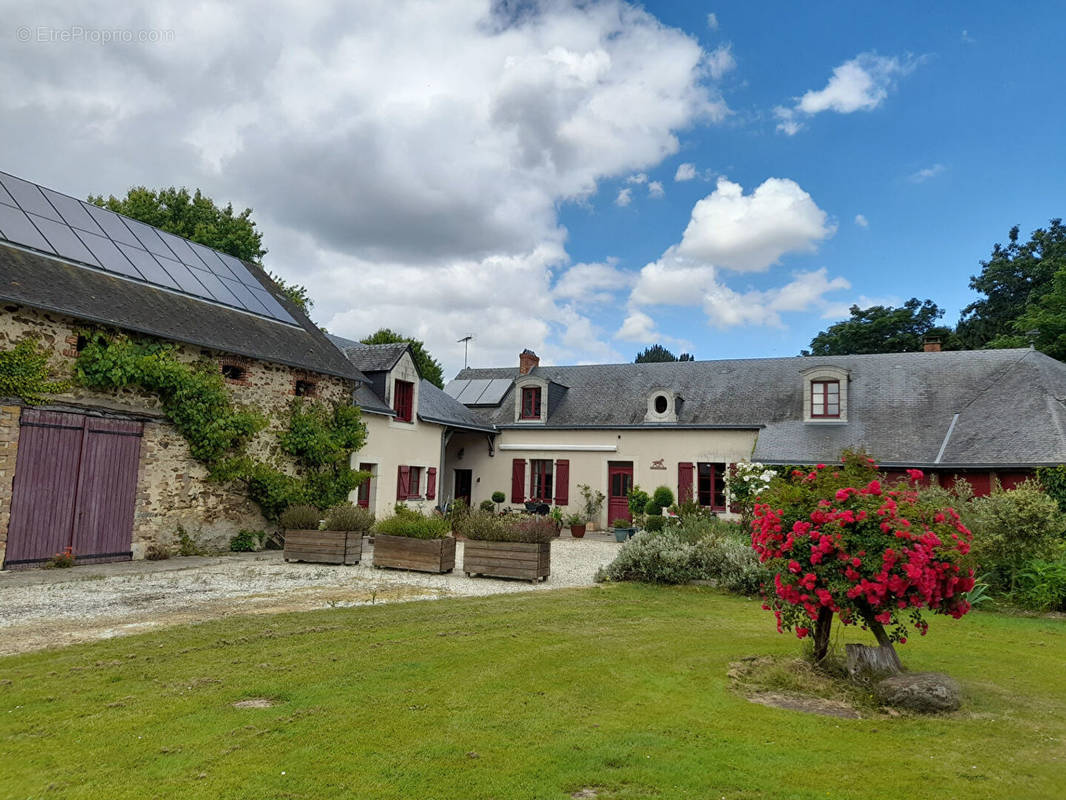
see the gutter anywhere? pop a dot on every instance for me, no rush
(642, 427)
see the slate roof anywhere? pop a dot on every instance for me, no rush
(49, 283)
(370, 357)
(376, 360)
(435, 406)
(900, 405)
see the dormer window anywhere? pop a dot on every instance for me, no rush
(530, 402)
(663, 405)
(825, 394)
(403, 400)
(825, 399)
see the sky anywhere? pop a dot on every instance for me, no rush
(581, 179)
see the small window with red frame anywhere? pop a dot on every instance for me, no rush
(530, 402)
(403, 400)
(825, 399)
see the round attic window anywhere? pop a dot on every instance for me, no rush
(661, 404)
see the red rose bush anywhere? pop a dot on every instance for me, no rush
(841, 543)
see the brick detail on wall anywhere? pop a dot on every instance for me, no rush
(9, 438)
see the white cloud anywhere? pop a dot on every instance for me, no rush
(861, 221)
(720, 61)
(731, 230)
(655, 189)
(640, 177)
(967, 38)
(751, 232)
(593, 283)
(922, 175)
(638, 327)
(382, 144)
(685, 172)
(624, 198)
(860, 84)
(712, 21)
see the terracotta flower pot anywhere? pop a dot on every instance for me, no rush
(577, 531)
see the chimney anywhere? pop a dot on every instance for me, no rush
(932, 344)
(527, 360)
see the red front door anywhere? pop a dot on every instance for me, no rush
(619, 482)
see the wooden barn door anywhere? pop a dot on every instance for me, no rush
(75, 486)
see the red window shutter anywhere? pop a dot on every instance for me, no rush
(684, 482)
(562, 482)
(518, 480)
(431, 483)
(403, 483)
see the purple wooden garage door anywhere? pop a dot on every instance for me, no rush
(75, 486)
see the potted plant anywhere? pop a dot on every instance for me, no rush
(557, 519)
(592, 504)
(508, 547)
(498, 497)
(337, 539)
(623, 529)
(409, 540)
(576, 523)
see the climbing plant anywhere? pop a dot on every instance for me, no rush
(318, 438)
(24, 373)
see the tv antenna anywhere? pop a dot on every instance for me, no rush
(466, 348)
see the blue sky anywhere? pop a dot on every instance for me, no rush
(508, 169)
(978, 113)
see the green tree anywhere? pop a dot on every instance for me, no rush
(199, 219)
(883, 329)
(657, 354)
(1014, 281)
(428, 366)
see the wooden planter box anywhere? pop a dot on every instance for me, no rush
(530, 561)
(422, 555)
(324, 547)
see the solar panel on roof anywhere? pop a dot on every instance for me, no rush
(29, 197)
(495, 391)
(45, 220)
(472, 392)
(455, 388)
(16, 227)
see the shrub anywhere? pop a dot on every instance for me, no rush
(653, 558)
(592, 502)
(156, 552)
(663, 497)
(247, 541)
(1053, 479)
(871, 556)
(63, 560)
(498, 497)
(731, 564)
(1014, 527)
(487, 505)
(489, 527)
(655, 524)
(638, 501)
(348, 517)
(300, 518)
(621, 523)
(413, 525)
(745, 481)
(574, 519)
(188, 544)
(1042, 585)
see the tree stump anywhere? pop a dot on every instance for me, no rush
(865, 662)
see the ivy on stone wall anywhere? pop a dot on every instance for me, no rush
(194, 396)
(24, 373)
(318, 438)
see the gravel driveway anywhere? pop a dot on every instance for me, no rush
(55, 608)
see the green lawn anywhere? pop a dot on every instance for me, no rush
(619, 688)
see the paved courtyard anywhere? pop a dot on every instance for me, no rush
(53, 608)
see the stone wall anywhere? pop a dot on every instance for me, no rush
(172, 489)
